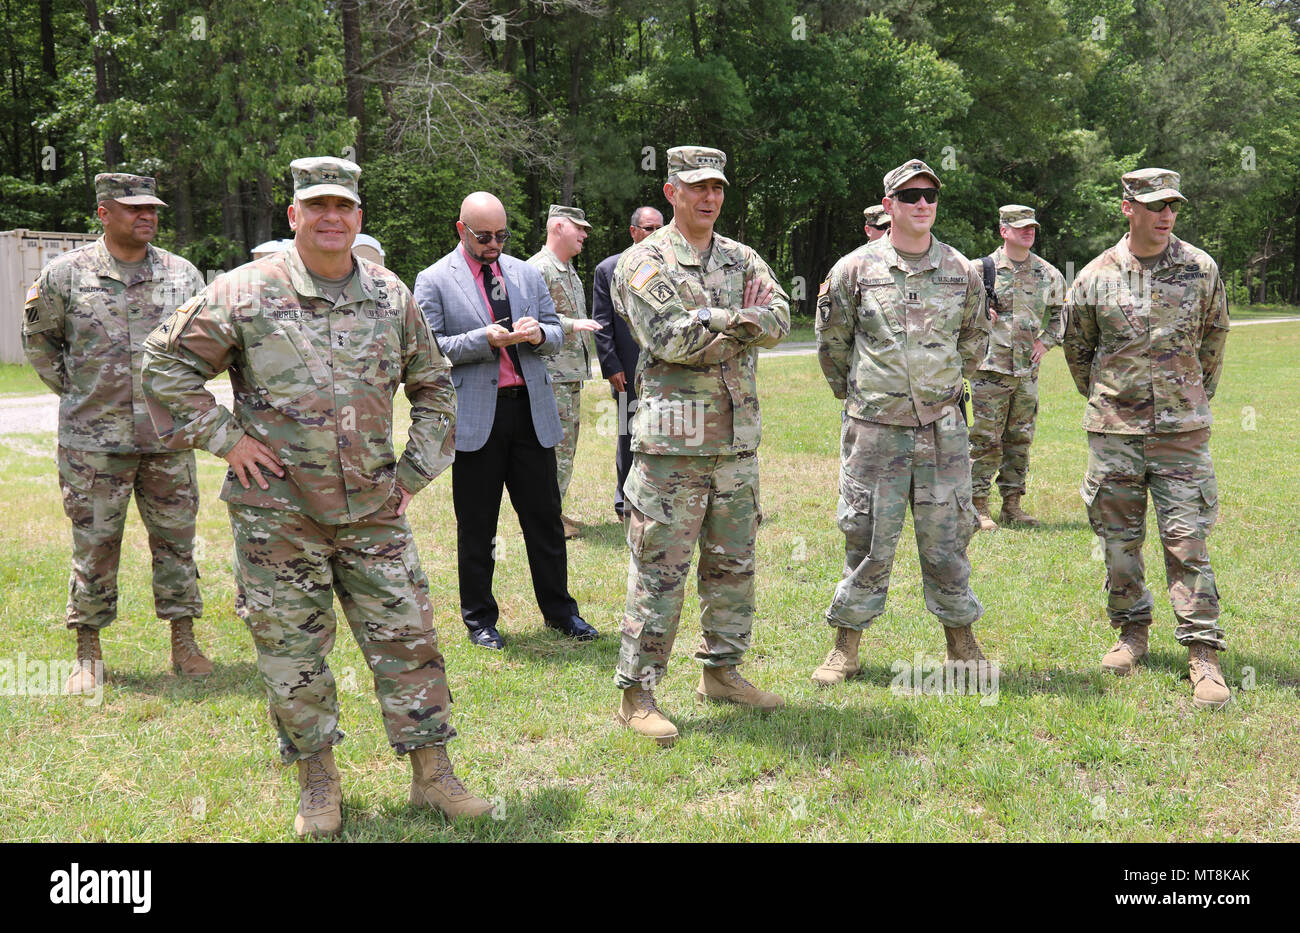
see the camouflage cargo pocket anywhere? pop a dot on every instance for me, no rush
(650, 516)
(853, 512)
(281, 366)
(1209, 511)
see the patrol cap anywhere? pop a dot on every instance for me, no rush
(322, 176)
(575, 214)
(1151, 184)
(1017, 215)
(876, 217)
(906, 172)
(696, 163)
(126, 189)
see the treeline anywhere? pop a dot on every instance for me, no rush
(1044, 102)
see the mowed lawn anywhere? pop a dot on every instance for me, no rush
(1065, 752)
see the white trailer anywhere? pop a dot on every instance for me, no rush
(23, 253)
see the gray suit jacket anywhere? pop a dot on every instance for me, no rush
(449, 297)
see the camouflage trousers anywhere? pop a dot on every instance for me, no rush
(1180, 475)
(288, 569)
(1003, 410)
(97, 491)
(568, 399)
(670, 503)
(883, 467)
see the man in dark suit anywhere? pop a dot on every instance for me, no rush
(617, 348)
(492, 316)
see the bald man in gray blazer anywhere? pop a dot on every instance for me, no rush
(493, 317)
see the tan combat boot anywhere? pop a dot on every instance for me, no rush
(963, 647)
(1131, 648)
(1209, 689)
(88, 673)
(571, 528)
(320, 796)
(725, 685)
(981, 504)
(434, 784)
(1013, 514)
(187, 659)
(640, 713)
(842, 662)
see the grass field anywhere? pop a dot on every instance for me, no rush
(1063, 753)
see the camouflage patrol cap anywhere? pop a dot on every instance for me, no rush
(1151, 184)
(126, 189)
(323, 176)
(1017, 215)
(696, 163)
(875, 216)
(575, 214)
(906, 172)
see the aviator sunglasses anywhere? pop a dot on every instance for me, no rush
(485, 238)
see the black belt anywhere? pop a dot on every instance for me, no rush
(513, 392)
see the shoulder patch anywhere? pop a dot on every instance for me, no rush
(825, 287)
(643, 274)
(661, 292)
(33, 293)
(166, 334)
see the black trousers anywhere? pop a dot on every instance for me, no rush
(512, 458)
(623, 451)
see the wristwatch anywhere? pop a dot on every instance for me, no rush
(704, 315)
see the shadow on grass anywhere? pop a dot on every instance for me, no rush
(541, 816)
(608, 534)
(550, 647)
(241, 678)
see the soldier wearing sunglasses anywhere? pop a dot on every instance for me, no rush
(899, 322)
(1147, 324)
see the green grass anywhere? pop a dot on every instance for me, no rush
(1065, 753)
(19, 379)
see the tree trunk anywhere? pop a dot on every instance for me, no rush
(1263, 267)
(356, 91)
(232, 225)
(575, 94)
(105, 86)
(263, 208)
(1295, 259)
(695, 29)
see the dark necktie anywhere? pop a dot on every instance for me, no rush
(496, 293)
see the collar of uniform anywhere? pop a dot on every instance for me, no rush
(1174, 255)
(554, 259)
(106, 265)
(931, 260)
(359, 286)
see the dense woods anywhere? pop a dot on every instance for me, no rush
(1044, 102)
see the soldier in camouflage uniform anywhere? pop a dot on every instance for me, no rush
(85, 323)
(899, 321)
(569, 366)
(875, 222)
(316, 343)
(699, 305)
(1147, 325)
(1029, 293)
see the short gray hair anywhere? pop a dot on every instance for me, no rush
(636, 214)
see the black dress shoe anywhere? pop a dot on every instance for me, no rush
(487, 637)
(574, 627)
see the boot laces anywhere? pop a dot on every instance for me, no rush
(318, 783)
(183, 637)
(87, 642)
(444, 775)
(645, 700)
(734, 677)
(1203, 665)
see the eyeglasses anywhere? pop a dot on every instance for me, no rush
(650, 229)
(1156, 207)
(485, 238)
(912, 195)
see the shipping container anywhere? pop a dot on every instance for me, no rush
(23, 253)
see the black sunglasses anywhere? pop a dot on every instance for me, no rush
(650, 229)
(1156, 207)
(485, 238)
(912, 195)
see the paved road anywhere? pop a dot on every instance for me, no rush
(39, 414)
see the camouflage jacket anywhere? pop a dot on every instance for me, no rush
(697, 384)
(894, 344)
(84, 330)
(1146, 349)
(313, 381)
(572, 361)
(1025, 298)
